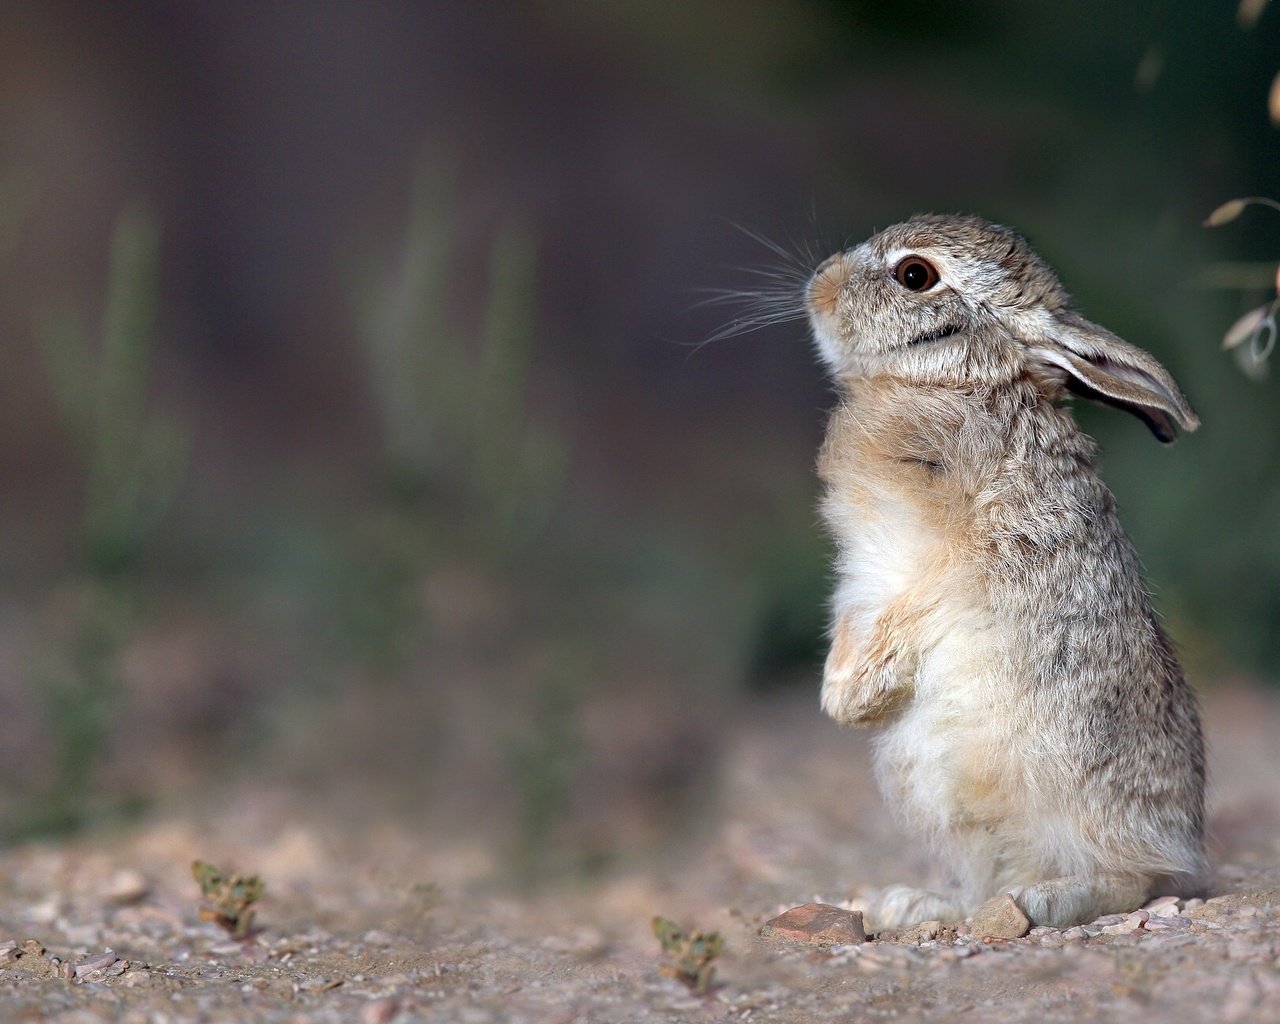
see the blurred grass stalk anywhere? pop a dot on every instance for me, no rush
(454, 403)
(464, 468)
(466, 464)
(133, 463)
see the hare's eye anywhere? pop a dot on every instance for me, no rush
(915, 274)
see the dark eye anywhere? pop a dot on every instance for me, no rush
(915, 274)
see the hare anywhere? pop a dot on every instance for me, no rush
(989, 614)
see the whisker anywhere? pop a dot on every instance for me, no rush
(778, 300)
(764, 240)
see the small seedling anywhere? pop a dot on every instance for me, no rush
(691, 954)
(230, 897)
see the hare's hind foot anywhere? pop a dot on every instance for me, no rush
(1077, 899)
(900, 906)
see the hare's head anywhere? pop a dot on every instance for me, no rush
(950, 298)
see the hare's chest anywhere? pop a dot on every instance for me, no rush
(884, 542)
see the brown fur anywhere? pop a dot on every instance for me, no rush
(990, 613)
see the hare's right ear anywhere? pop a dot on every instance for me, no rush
(1104, 368)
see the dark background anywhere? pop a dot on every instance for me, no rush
(355, 424)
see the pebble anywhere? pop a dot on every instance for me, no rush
(380, 1011)
(126, 886)
(958, 952)
(1168, 924)
(1128, 924)
(1164, 906)
(1075, 934)
(818, 924)
(83, 968)
(1001, 918)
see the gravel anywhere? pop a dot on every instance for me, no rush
(382, 921)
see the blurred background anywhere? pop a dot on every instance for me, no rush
(357, 430)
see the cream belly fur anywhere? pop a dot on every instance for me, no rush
(944, 759)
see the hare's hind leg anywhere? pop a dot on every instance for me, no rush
(900, 906)
(1077, 899)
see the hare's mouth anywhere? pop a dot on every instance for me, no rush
(945, 331)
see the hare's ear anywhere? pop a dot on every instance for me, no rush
(1102, 367)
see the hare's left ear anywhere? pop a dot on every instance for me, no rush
(1106, 369)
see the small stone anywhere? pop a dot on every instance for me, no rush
(1193, 904)
(1052, 940)
(1168, 924)
(126, 886)
(958, 952)
(1163, 906)
(1106, 920)
(88, 966)
(819, 924)
(319, 984)
(380, 1011)
(1128, 924)
(1076, 934)
(32, 947)
(1001, 918)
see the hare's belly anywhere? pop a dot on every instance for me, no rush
(944, 760)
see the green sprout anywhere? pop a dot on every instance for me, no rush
(691, 955)
(230, 897)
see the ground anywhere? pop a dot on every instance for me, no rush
(392, 921)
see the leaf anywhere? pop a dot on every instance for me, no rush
(1226, 213)
(1244, 328)
(1249, 11)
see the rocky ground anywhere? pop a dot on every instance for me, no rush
(389, 921)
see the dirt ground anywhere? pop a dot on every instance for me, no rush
(392, 921)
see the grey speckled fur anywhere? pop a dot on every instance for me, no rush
(990, 616)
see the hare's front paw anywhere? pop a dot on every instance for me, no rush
(855, 692)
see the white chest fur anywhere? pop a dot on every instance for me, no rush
(944, 748)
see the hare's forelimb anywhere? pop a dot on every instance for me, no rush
(868, 676)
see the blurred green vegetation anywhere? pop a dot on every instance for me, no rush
(132, 462)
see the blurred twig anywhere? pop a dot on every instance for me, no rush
(1258, 326)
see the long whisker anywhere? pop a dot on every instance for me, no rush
(778, 300)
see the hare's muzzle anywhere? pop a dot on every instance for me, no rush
(824, 287)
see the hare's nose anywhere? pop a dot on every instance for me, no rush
(824, 286)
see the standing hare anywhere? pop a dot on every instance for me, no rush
(990, 614)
